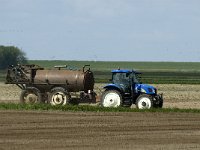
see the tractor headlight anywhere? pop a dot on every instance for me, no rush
(143, 91)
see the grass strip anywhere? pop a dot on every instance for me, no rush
(87, 108)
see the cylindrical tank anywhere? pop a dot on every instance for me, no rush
(74, 81)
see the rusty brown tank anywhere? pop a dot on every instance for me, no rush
(74, 81)
(32, 75)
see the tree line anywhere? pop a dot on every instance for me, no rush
(11, 55)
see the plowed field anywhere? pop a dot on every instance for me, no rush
(77, 130)
(104, 130)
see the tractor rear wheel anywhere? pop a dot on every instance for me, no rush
(111, 98)
(144, 101)
(30, 95)
(59, 96)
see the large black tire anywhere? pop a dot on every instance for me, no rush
(30, 95)
(59, 96)
(159, 102)
(144, 101)
(111, 98)
(160, 105)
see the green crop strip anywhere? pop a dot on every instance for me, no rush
(86, 108)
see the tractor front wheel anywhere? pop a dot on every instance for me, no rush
(111, 98)
(144, 101)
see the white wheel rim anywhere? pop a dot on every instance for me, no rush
(31, 98)
(144, 103)
(59, 98)
(111, 100)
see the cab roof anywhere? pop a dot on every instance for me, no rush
(125, 71)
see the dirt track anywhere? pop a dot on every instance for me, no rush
(68, 130)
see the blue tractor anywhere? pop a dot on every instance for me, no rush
(126, 90)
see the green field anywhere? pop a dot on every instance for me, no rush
(142, 66)
(152, 72)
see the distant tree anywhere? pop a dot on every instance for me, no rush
(10, 55)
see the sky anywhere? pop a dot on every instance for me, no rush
(103, 30)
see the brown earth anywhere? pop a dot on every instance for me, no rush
(104, 130)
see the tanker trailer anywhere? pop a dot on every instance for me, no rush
(52, 86)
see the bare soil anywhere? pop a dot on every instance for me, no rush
(104, 130)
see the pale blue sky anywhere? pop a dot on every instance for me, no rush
(110, 30)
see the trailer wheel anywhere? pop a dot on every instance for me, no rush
(144, 101)
(59, 96)
(111, 98)
(30, 95)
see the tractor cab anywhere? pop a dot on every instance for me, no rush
(125, 79)
(124, 76)
(121, 78)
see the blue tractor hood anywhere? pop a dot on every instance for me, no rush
(145, 88)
